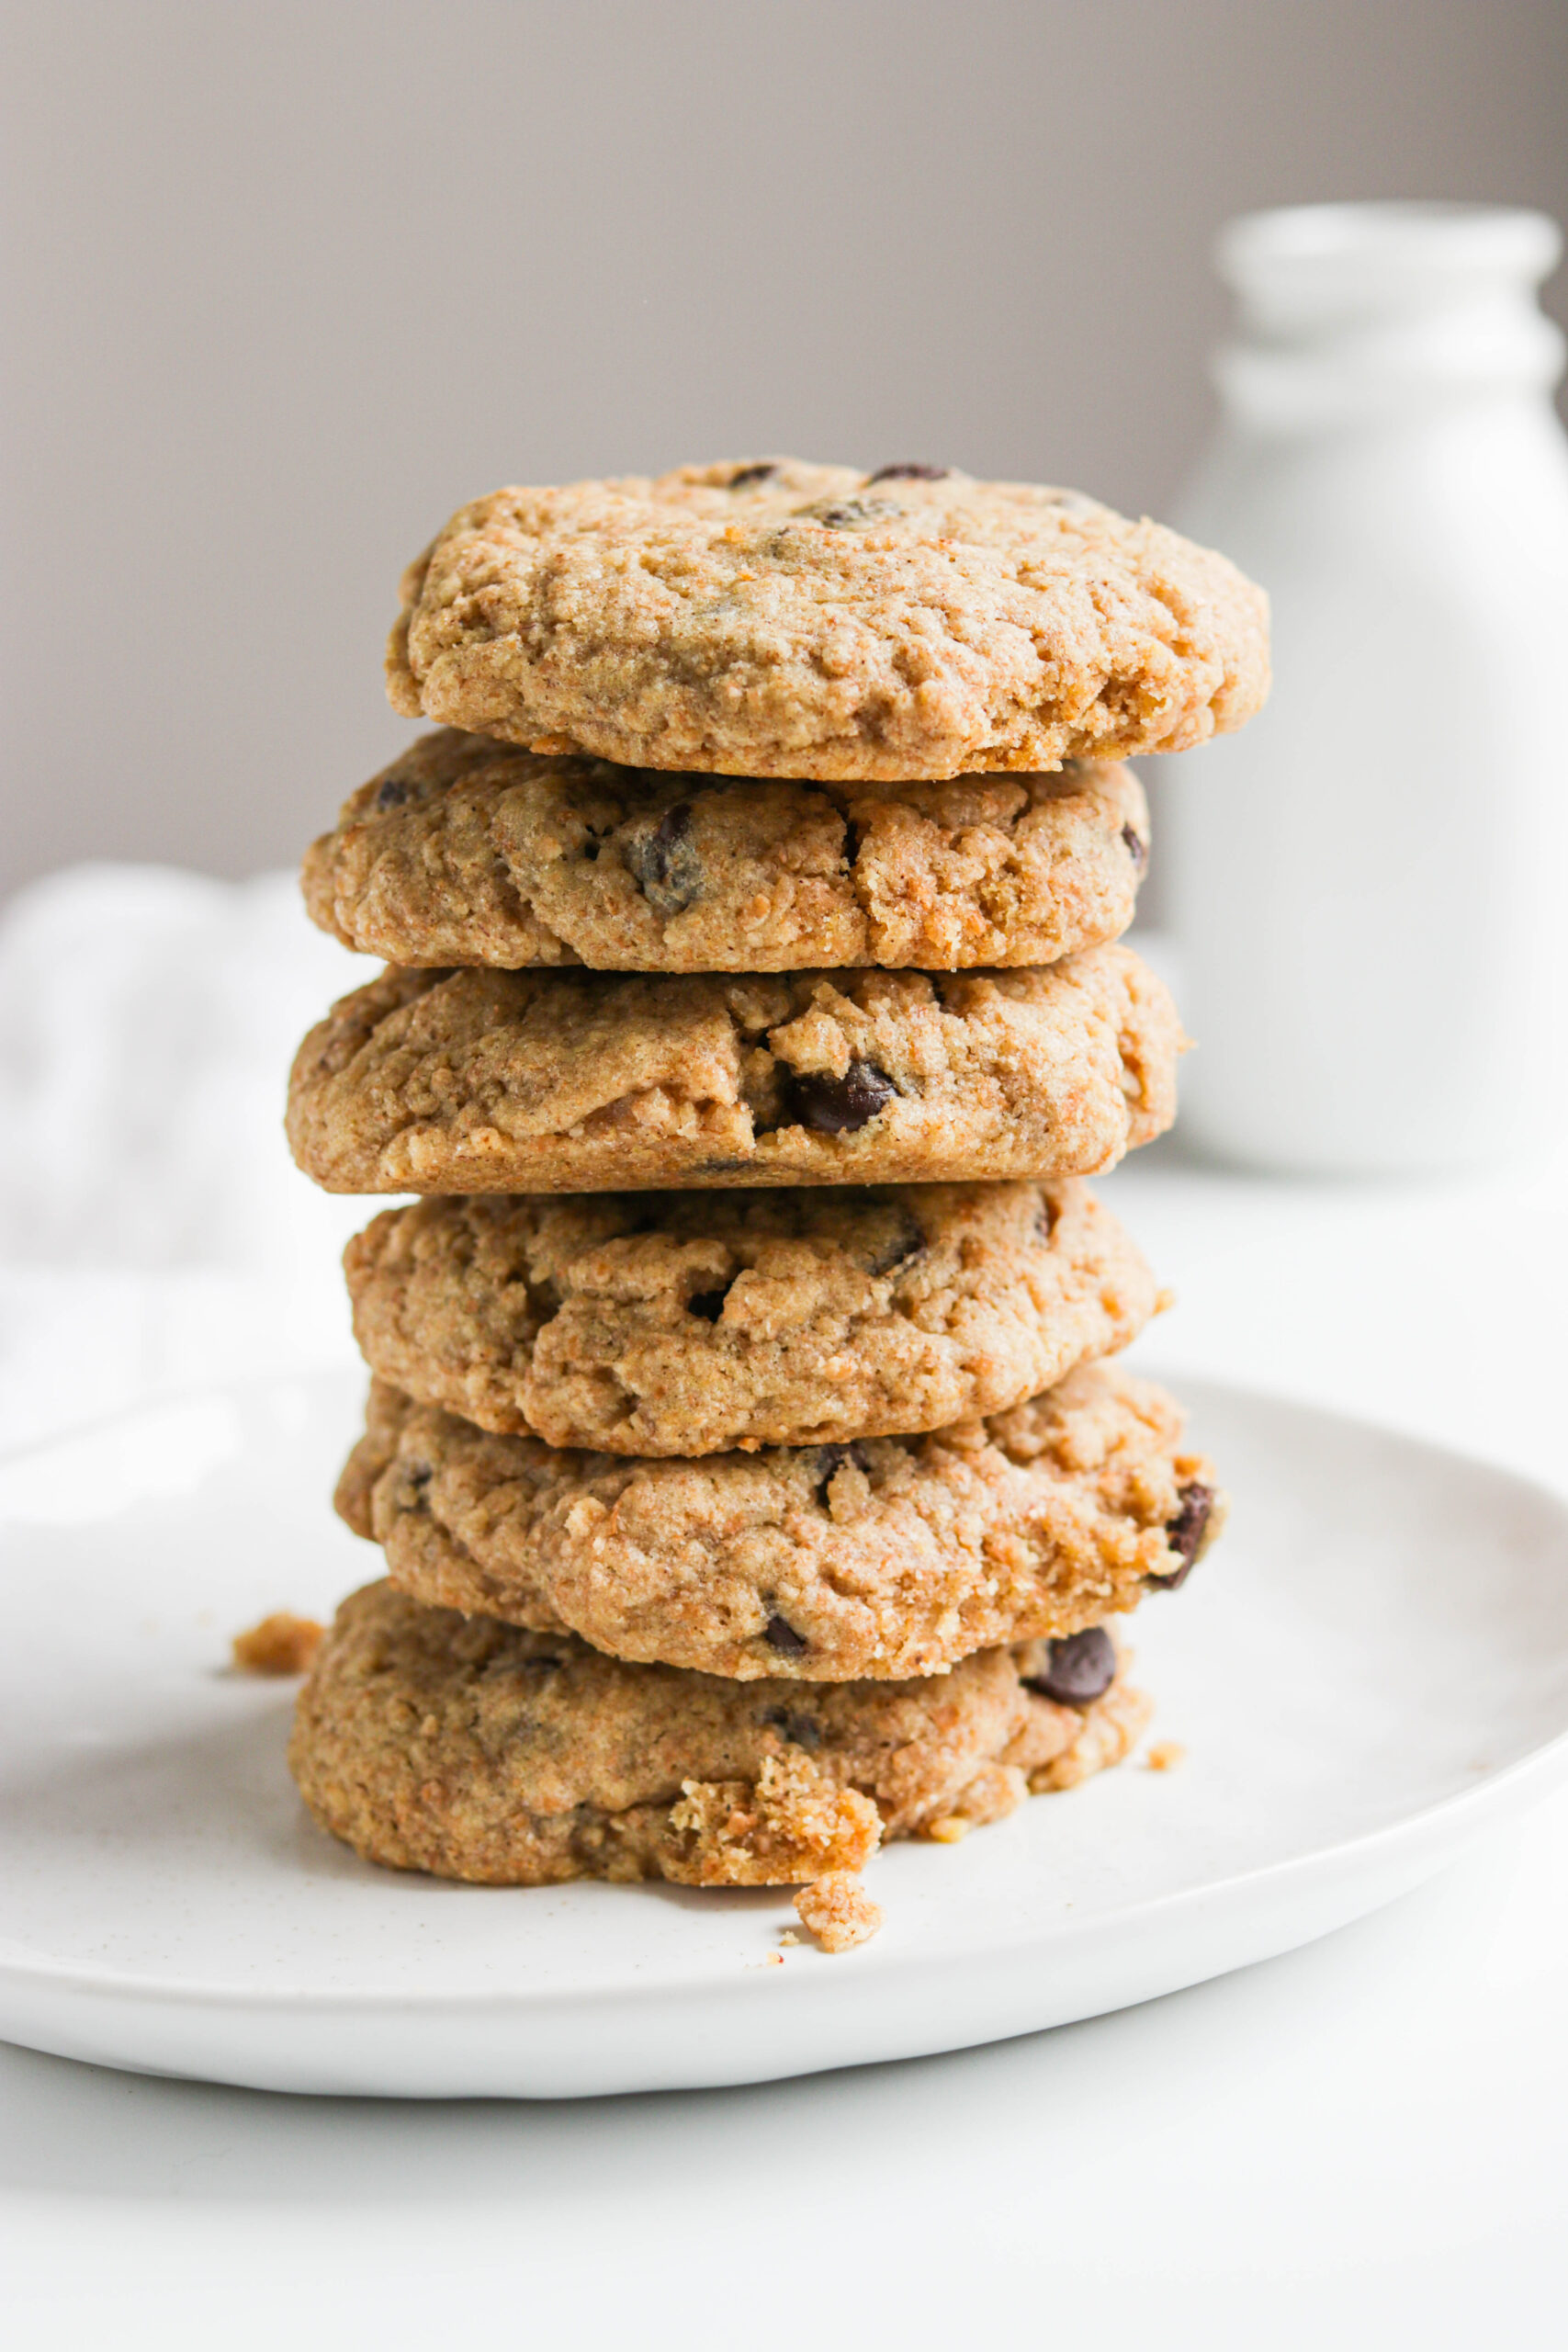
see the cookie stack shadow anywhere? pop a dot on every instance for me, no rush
(752, 1476)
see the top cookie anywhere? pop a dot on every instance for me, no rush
(784, 619)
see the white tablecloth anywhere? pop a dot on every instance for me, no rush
(1361, 2145)
(154, 1231)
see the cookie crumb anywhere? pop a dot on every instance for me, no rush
(949, 1829)
(1164, 1756)
(281, 1643)
(839, 1911)
(775, 1960)
(789, 1937)
(791, 1824)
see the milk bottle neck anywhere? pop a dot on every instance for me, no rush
(1360, 311)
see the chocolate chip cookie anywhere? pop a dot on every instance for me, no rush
(484, 1081)
(786, 619)
(686, 1323)
(466, 851)
(472, 1749)
(890, 1556)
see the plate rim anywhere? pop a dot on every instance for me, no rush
(1488, 1790)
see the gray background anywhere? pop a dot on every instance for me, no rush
(284, 283)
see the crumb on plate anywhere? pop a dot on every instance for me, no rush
(839, 1911)
(1164, 1756)
(281, 1643)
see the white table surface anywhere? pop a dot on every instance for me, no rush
(1363, 2143)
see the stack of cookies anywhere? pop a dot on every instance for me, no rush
(752, 1483)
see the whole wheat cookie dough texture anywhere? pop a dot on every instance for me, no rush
(485, 1081)
(466, 850)
(786, 619)
(888, 1557)
(475, 1750)
(685, 1323)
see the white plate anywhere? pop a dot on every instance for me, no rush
(1370, 1667)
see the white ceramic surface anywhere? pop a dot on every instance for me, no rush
(1366, 880)
(1352, 1719)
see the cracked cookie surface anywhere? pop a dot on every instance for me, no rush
(686, 1323)
(887, 1557)
(485, 1081)
(474, 1750)
(466, 850)
(782, 618)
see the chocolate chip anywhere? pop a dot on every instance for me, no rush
(853, 514)
(909, 473)
(744, 477)
(831, 1459)
(667, 869)
(1185, 1533)
(801, 1731)
(784, 1638)
(1137, 848)
(393, 792)
(1079, 1668)
(708, 1304)
(905, 1241)
(836, 1106)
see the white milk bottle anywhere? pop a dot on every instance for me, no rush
(1370, 884)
